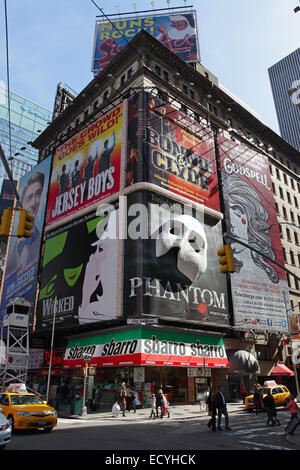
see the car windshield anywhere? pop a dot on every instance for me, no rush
(25, 400)
(265, 389)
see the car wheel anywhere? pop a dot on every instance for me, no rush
(48, 429)
(11, 421)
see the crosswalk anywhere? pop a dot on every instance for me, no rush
(252, 432)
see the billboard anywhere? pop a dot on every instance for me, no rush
(23, 253)
(86, 168)
(171, 265)
(171, 150)
(79, 273)
(258, 285)
(147, 347)
(176, 31)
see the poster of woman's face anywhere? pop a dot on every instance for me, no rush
(257, 284)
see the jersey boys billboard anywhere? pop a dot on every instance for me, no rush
(178, 32)
(86, 168)
(258, 285)
(171, 150)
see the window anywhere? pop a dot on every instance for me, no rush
(284, 212)
(123, 79)
(288, 234)
(296, 238)
(292, 258)
(105, 95)
(129, 72)
(192, 94)
(166, 75)
(184, 88)
(157, 70)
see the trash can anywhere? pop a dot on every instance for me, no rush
(76, 405)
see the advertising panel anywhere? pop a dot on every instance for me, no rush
(79, 273)
(86, 168)
(23, 253)
(177, 31)
(258, 285)
(171, 150)
(147, 347)
(171, 265)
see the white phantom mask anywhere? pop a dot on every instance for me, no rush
(187, 234)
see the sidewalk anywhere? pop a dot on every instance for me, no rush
(176, 412)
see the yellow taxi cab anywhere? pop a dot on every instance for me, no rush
(280, 393)
(26, 410)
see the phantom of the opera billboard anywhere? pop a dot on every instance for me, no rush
(23, 253)
(177, 32)
(86, 168)
(167, 148)
(258, 285)
(171, 267)
(79, 272)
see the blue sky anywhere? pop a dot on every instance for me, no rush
(51, 42)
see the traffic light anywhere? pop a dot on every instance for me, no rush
(226, 260)
(6, 221)
(25, 224)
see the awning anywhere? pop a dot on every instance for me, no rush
(146, 347)
(281, 369)
(243, 361)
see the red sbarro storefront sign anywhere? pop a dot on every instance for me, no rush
(147, 347)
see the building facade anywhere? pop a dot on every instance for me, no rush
(27, 120)
(151, 131)
(285, 83)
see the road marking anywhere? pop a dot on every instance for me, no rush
(265, 445)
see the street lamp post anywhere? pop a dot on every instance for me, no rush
(51, 348)
(86, 357)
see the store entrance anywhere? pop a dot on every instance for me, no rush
(172, 380)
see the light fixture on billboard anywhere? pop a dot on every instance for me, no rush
(228, 110)
(208, 96)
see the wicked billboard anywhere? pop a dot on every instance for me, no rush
(79, 273)
(177, 32)
(86, 168)
(171, 266)
(258, 285)
(171, 150)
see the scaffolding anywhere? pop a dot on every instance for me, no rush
(15, 344)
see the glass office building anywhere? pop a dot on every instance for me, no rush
(285, 83)
(28, 120)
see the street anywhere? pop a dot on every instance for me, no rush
(249, 432)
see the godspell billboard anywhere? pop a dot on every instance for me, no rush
(177, 31)
(167, 148)
(23, 253)
(171, 265)
(86, 168)
(258, 285)
(79, 273)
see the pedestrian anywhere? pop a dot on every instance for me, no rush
(220, 401)
(153, 406)
(212, 410)
(122, 398)
(256, 400)
(269, 405)
(294, 421)
(131, 400)
(98, 396)
(166, 406)
(243, 392)
(159, 403)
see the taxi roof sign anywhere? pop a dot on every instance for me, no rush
(17, 388)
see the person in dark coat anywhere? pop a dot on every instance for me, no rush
(159, 403)
(220, 401)
(269, 405)
(212, 409)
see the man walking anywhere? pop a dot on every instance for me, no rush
(220, 402)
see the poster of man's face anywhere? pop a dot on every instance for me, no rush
(173, 272)
(23, 253)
